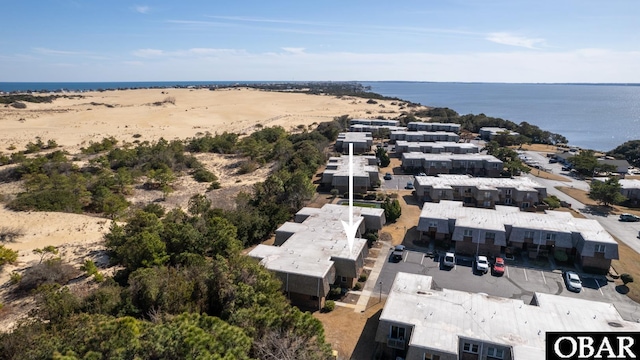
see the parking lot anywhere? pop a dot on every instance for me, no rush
(518, 282)
(397, 182)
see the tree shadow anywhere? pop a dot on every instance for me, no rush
(365, 347)
(622, 289)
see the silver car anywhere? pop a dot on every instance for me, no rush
(573, 281)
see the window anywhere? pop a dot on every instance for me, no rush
(343, 279)
(490, 236)
(551, 236)
(433, 224)
(470, 348)
(495, 353)
(468, 232)
(507, 191)
(487, 204)
(508, 201)
(528, 234)
(429, 356)
(397, 332)
(525, 205)
(599, 248)
(487, 194)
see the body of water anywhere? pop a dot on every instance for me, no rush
(598, 117)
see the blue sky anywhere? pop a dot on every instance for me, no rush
(453, 40)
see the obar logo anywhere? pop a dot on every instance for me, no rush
(592, 345)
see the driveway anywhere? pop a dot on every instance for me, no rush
(518, 282)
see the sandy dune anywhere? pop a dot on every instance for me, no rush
(75, 122)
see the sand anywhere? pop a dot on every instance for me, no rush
(75, 122)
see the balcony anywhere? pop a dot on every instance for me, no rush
(396, 343)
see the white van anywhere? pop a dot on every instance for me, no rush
(449, 259)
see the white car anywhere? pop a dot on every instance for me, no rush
(449, 259)
(573, 281)
(482, 264)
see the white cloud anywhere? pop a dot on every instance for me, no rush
(294, 50)
(46, 51)
(148, 53)
(142, 9)
(514, 40)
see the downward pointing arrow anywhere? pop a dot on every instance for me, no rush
(350, 228)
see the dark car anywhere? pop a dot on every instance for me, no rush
(629, 217)
(388, 176)
(398, 253)
(566, 168)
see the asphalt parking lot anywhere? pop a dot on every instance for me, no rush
(518, 282)
(397, 182)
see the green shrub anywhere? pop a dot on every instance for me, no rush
(336, 291)
(204, 175)
(357, 287)
(560, 255)
(335, 193)
(90, 267)
(552, 201)
(7, 256)
(362, 278)
(15, 277)
(329, 306)
(214, 186)
(247, 167)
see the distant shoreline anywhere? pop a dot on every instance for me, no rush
(79, 86)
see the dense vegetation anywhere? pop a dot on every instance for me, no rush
(512, 164)
(528, 133)
(586, 163)
(185, 291)
(606, 193)
(629, 151)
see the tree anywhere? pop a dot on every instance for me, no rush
(585, 162)
(629, 151)
(382, 155)
(392, 209)
(607, 192)
(626, 278)
(47, 250)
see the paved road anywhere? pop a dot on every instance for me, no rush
(624, 231)
(397, 182)
(518, 282)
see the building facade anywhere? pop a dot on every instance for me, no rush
(365, 174)
(311, 254)
(418, 322)
(473, 231)
(436, 147)
(434, 164)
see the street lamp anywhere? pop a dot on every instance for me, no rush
(380, 299)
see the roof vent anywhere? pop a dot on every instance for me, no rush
(615, 324)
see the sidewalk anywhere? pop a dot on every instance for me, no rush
(372, 281)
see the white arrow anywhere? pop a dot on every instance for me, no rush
(350, 228)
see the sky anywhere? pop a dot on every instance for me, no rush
(235, 40)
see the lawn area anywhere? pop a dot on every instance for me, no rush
(629, 260)
(546, 175)
(583, 197)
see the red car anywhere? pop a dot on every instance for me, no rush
(498, 266)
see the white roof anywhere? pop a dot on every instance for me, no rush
(450, 157)
(318, 239)
(519, 183)
(440, 318)
(553, 221)
(361, 167)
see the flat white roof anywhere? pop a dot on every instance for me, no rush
(553, 221)
(441, 144)
(449, 157)
(519, 183)
(355, 136)
(361, 167)
(624, 183)
(318, 239)
(440, 318)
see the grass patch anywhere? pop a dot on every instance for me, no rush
(366, 205)
(629, 263)
(583, 197)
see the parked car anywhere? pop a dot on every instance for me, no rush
(388, 176)
(398, 253)
(482, 264)
(566, 168)
(553, 161)
(409, 185)
(422, 174)
(573, 282)
(629, 217)
(449, 259)
(498, 266)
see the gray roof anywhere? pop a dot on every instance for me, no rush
(440, 318)
(374, 122)
(446, 180)
(317, 240)
(361, 167)
(450, 157)
(590, 231)
(355, 136)
(496, 130)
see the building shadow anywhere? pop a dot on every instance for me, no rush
(365, 348)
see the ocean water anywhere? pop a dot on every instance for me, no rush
(598, 117)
